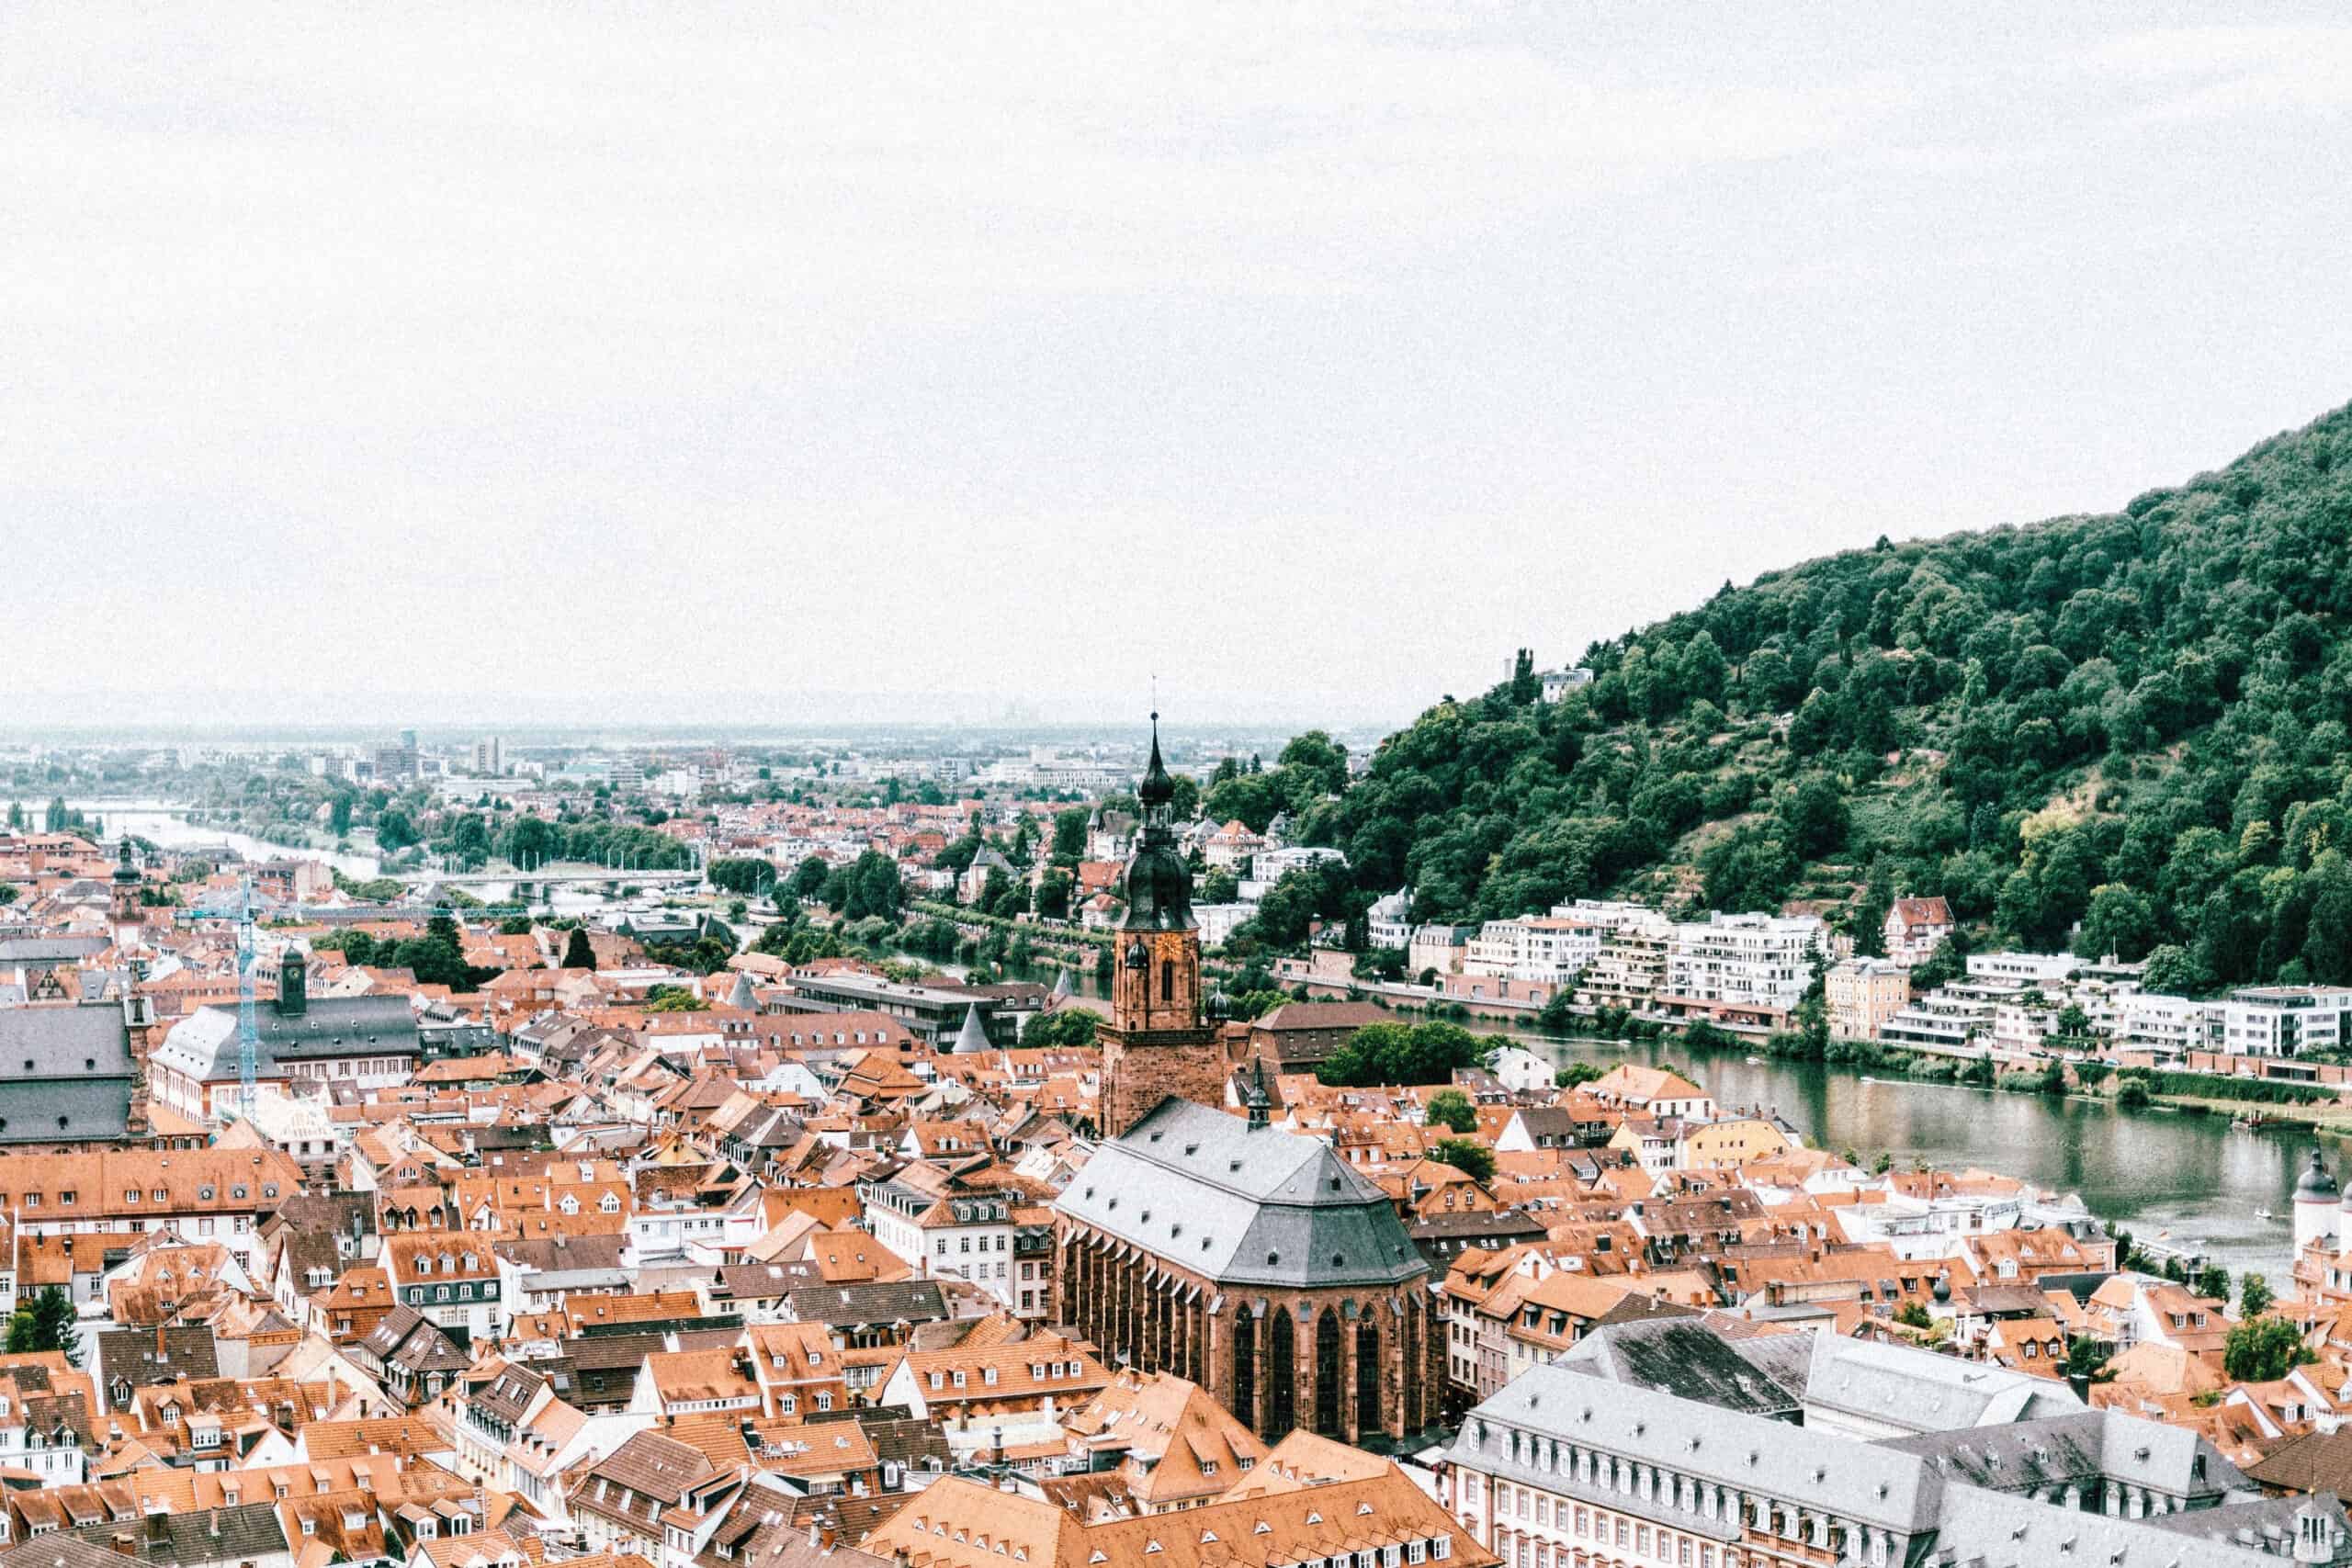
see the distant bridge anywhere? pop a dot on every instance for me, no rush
(559, 875)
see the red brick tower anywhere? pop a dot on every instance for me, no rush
(1158, 1042)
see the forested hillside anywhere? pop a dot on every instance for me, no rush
(2137, 722)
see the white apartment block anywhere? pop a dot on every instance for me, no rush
(1533, 947)
(1630, 969)
(2170, 1026)
(2044, 969)
(2285, 1020)
(1267, 866)
(1218, 921)
(1762, 962)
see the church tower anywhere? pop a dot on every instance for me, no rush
(1158, 1042)
(122, 897)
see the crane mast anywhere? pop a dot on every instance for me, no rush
(248, 1026)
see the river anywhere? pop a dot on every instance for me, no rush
(2190, 1179)
(2150, 1171)
(158, 822)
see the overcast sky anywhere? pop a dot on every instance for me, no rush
(433, 364)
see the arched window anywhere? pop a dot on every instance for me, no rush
(1245, 1367)
(1328, 1370)
(1282, 1376)
(1168, 981)
(1368, 1378)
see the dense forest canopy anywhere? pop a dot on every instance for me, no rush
(2127, 732)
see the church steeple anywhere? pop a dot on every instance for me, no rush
(1158, 884)
(1157, 1043)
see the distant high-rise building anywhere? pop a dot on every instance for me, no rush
(489, 757)
(397, 759)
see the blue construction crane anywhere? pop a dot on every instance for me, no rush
(248, 1027)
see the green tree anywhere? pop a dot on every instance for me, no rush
(2172, 971)
(2120, 921)
(2254, 1296)
(2088, 1358)
(1576, 1073)
(1463, 1155)
(1386, 1054)
(2132, 1095)
(1065, 1028)
(395, 831)
(577, 952)
(2214, 1280)
(2263, 1349)
(46, 1321)
(748, 874)
(1914, 1315)
(1054, 894)
(1452, 1109)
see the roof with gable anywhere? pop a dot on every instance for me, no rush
(1274, 1519)
(1242, 1206)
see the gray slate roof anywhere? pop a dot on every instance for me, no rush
(1998, 1530)
(1243, 1206)
(249, 1532)
(894, 1301)
(2080, 1449)
(1683, 1356)
(66, 1072)
(1854, 1480)
(204, 1044)
(1922, 1390)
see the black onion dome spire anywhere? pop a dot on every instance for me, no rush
(1158, 884)
(1158, 788)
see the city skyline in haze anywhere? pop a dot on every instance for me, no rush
(478, 365)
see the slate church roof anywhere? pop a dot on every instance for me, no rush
(65, 1073)
(1244, 1206)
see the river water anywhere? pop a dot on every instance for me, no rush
(158, 822)
(2151, 1171)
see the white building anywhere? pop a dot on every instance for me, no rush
(1761, 962)
(1547, 948)
(2170, 1026)
(1389, 921)
(1267, 866)
(1218, 921)
(2285, 1020)
(1558, 684)
(942, 1233)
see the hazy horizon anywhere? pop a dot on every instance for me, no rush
(461, 364)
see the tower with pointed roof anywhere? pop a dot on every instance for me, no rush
(123, 896)
(1158, 1042)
